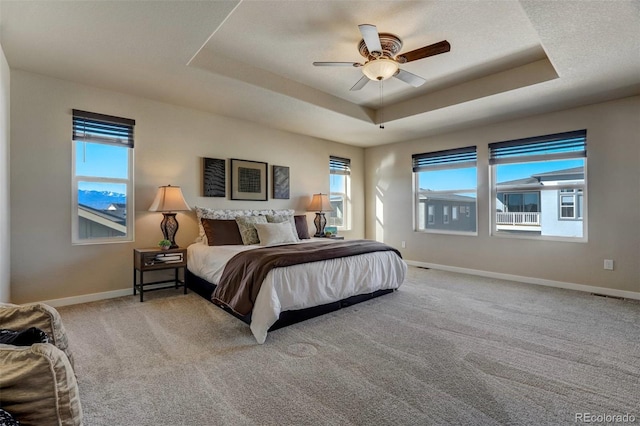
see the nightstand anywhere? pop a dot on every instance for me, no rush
(156, 259)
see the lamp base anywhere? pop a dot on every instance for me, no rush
(320, 221)
(169, 227)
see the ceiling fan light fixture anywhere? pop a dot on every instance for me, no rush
(380, 69)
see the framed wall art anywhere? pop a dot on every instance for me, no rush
(280, 177)
(214, 182)
(248, 180)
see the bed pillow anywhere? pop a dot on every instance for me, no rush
(230, 214)
(301, 226)
(246, 224)
(275, 233)
(284, 219)
(222, 232)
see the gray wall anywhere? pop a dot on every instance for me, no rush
(170, 143)
(5, 289)
(613, 174)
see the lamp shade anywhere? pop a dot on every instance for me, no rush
(380, 69)
(169, 199)
(320, 203)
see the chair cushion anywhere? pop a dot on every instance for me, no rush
(44, 317)
(38, 386)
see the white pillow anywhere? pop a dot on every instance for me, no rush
(284, 218)
(275, 233)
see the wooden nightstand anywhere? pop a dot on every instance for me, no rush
(155, 259)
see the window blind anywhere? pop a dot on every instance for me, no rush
(447, 159)
(94, 127)
(556, 146)
(339, 166)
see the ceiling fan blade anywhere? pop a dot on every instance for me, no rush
(360, 84)
(337, 64)
(412, 79)
(424, 52)
(371, 37)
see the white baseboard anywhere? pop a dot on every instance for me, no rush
(530, 280)
(65, 301)
(93, 297)
(74, 300)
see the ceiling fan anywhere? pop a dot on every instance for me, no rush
(382, 61)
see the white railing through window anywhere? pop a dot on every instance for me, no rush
(518, 218)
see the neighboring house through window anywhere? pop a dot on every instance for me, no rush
(446, 181)
(102, 186)
(538, 186)
(571, 204)
(339, 192)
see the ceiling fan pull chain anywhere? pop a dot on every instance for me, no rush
(381, 107)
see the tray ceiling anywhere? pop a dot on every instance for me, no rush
(253, 60)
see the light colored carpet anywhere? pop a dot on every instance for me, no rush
(445, 349)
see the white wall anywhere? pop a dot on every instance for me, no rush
(170, 142)
(613, 145)
(5, 252)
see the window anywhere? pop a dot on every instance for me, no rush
(339, 192)
(102, 199)
(431, 215)
(571, 204)
(441, 179)
(538, 185)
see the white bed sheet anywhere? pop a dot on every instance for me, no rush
(302, 286)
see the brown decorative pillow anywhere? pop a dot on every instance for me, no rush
(302, 227)
(222, 232)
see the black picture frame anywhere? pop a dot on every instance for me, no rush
(214, 183)
(280, 179)
(249, 180)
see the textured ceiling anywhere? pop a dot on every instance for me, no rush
(253, 59)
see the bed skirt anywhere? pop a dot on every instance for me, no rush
(205, 289)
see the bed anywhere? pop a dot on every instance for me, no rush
(293, 292)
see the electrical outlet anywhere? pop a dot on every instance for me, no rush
(608, 264)
(404, 244)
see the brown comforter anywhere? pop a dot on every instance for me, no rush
(243, 275)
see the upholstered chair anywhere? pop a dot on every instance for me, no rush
(38, 384)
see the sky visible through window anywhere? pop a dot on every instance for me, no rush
(452, 179)
(336, 183)
(101, 160)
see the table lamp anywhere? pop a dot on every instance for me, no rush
(320, 203)
(169, 199)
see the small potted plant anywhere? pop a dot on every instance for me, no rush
(165, 244)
